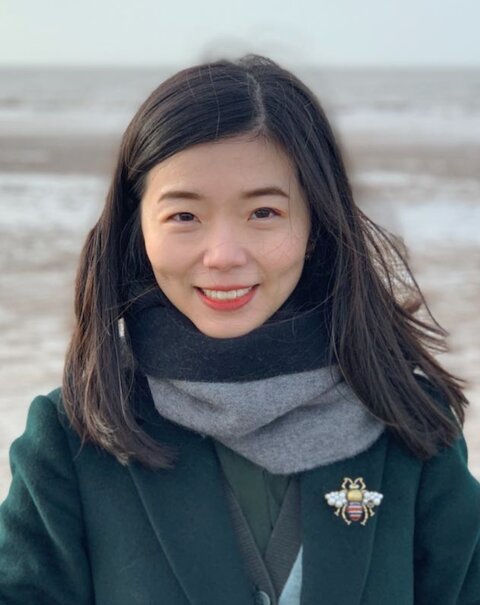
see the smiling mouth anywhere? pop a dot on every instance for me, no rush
(227, 298)
(226, 294)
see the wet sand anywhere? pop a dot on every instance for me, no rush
(36, 296)
(58, 154)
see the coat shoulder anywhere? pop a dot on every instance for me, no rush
(47, 419)
(41, 521)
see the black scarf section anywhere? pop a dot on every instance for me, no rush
(166, 344)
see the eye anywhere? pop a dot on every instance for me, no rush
(265, 212)
(182, 217)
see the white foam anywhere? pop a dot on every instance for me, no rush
(49, 201)
(422, 208)
(443, 221)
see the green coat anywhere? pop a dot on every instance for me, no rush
(81, 529)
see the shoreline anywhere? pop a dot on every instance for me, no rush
(96, 155)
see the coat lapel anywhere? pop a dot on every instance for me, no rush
(336, 556)
(187, 509)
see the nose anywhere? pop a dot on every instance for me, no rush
(223, 251)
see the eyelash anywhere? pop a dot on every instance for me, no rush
(172, 218)
(267, 208)
(190, 214)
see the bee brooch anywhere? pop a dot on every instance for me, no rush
(354, 502)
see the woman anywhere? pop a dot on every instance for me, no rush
(251, 411)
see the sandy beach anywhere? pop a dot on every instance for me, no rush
(42, 232)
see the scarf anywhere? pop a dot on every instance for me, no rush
(272, 395)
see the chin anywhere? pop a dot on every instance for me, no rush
(228, 331)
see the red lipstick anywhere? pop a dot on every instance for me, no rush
(227, 305)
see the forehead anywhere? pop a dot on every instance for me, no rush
(239, 160)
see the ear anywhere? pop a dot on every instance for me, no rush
(310, 248)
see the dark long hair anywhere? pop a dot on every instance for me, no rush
(377, 336)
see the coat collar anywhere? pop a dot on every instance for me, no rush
(188, 511)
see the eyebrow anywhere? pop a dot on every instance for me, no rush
(177, 194)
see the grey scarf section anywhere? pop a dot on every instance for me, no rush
(285, 424)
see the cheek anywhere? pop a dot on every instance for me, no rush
(149, 239)
(154, 253)
(155, 245)
(169, 262)
(155, 249)
(163, 263)
(286, 254)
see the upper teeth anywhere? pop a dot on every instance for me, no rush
(226, 294)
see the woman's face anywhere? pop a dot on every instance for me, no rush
(226, 229)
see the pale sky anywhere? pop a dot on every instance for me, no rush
(177, 33)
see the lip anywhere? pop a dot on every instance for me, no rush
(228, 305)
